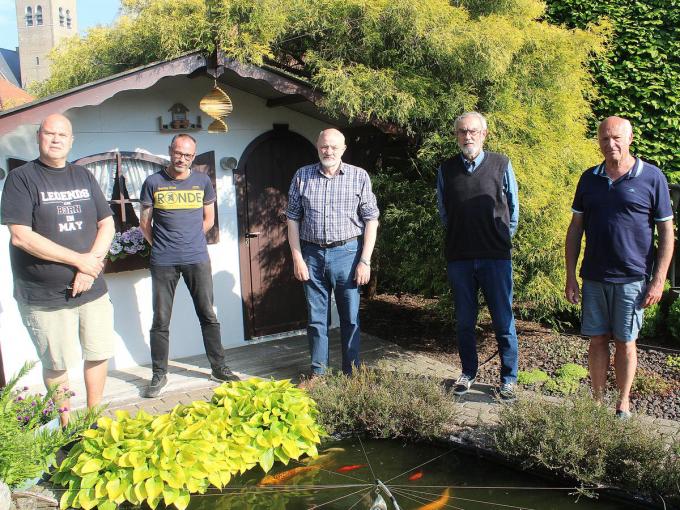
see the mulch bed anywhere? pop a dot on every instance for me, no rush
(414, 323)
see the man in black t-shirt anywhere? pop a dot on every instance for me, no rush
(61, 229)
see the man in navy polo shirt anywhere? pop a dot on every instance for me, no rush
(178, 208)
(617, 204)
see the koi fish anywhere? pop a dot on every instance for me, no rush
(284, 476)
(352, 467)
(438, 503)
(416, 476)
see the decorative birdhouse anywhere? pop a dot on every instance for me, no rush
(179, 116)
(218, 105)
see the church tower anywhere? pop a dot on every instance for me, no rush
(41, 24)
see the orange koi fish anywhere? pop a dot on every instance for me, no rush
(439, 503)
(352, 467)
(416, 476)
(284, 476)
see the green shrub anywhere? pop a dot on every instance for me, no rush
(673, 321)
(149, 459)
(383, 404)
(584, 441)
(652, 322)
(673, 361)
(534, 377)
(648, 383)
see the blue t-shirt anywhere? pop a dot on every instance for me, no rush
(618, 219)
(178, 236)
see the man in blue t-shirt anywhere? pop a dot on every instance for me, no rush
(617, 204)
(178, 208)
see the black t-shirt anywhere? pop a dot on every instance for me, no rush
(63, 205)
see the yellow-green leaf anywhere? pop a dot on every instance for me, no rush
(182, 501)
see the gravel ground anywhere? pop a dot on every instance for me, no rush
(413, 323)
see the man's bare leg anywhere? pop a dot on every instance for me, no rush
(95, 379)
(625, 365)
(598, 363)
(60, 379)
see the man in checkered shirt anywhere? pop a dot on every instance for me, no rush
(332, 225)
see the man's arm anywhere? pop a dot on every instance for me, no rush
(106, 229)
(24, 238)
(145, 223)
(512, 195)
(572, 249)
(208, 217)
(300, 269)
(363, 272)
(663, 259)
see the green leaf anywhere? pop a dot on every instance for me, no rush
(267, 460)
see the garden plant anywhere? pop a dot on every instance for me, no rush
(153, 459)
(28, 449)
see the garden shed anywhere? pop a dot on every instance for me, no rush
(122, 127)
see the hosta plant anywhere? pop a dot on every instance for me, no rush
(149, 459)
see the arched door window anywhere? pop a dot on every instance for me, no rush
(61, 16)
(29, 16)
(68, 18)
(38, 15)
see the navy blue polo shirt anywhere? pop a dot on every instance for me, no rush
(618, 219)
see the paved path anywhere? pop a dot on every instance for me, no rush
(288, 358)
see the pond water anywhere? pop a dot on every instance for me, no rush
(419, 476)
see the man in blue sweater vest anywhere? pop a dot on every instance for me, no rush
(479, 208)
(618, 203)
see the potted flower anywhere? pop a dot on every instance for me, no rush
(30, 434)
(129, 251)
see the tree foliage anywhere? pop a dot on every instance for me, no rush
(414, 63)
(639, 75)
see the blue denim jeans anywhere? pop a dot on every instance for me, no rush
(332, 270)
(198, 278)
(494, 277)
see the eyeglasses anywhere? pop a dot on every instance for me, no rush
(182, 155)
(331, 148)
(465, 132)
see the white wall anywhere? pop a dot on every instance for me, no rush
(129, 121)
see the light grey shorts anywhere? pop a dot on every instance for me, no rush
(57, 332)
(612, 308)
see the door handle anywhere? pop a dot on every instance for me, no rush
(250, 235)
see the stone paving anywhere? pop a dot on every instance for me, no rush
(288, 358)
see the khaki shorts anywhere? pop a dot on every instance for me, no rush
(56, 332)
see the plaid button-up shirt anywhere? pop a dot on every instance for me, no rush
(331, 209)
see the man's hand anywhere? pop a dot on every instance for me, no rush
(300, 269)
(653, 294)
(81, 283)
(90, 264)
(572, 291)
(363, 273)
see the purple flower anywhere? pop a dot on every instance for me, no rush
(19, 398)
(25, 388)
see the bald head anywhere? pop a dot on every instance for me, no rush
(331, 147)
(55, 138)
(614, 135)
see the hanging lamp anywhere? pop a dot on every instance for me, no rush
(217, 104)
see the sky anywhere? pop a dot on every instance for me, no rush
(90, 13)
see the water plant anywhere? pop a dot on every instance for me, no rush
(27, 450)
(149, 459)
(383, 404)
(584, 441)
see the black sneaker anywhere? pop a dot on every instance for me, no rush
(463, 384)
(507, 392)
(155, 386)
(223, 374)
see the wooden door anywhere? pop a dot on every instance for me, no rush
(273, 300)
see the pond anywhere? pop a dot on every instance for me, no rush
(419, 477)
